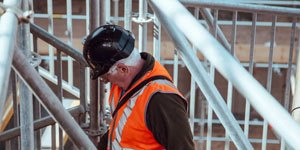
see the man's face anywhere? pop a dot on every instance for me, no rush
(104, 78)
(113, 76)
(107, 76)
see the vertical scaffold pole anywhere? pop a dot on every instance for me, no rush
(26, 105)
(128, 14)
(142, 26)
(94, 84)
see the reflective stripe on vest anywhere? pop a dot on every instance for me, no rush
(112, 106)
(126, 113)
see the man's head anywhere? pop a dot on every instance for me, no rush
(105, 46)
(109, 51)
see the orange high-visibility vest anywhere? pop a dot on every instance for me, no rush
(128, 129)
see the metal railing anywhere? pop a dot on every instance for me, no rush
(273, 12)
(51, 102)
(210, 11)
(44, 94)
(57, 50)
(171, 13)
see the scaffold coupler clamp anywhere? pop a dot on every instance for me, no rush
(141, 20)
(23, 17)
(94, 133)
(35, 59)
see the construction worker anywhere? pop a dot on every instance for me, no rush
(148, 111)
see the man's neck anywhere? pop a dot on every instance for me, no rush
(134, 71)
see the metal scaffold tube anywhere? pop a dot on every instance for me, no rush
(116, 12)
(209, 19)
(94, 84)
(235, 6)
(199, 73)
(272, 2)
(26, 103)
(295, 110)
(39, 124)
(142, 25)
(101, 104)
(8, 28)
(264, 103)
(58, 44)
(128, 14)
(50, 101)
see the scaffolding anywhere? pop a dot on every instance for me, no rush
(204, 38)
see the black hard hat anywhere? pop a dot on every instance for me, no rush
(105, 46)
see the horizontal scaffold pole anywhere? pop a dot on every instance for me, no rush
(38, 124)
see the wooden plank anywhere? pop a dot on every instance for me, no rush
(8, 113)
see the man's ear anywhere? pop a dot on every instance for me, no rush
(122, 68)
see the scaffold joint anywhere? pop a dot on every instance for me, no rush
(35, 59)
(91, 132)
(23, 17)
(141, 20)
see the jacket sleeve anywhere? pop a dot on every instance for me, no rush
(167, 119)
(102, 144)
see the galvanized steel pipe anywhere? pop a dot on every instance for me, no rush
(50, 101)
(127, 14)
(26, 104)
(95, 17)
(143, 9)
(236, 6)
(8, 28)
(55, 42)
(38, 124)
(197, 70)
(210, 19)
(231, 69)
